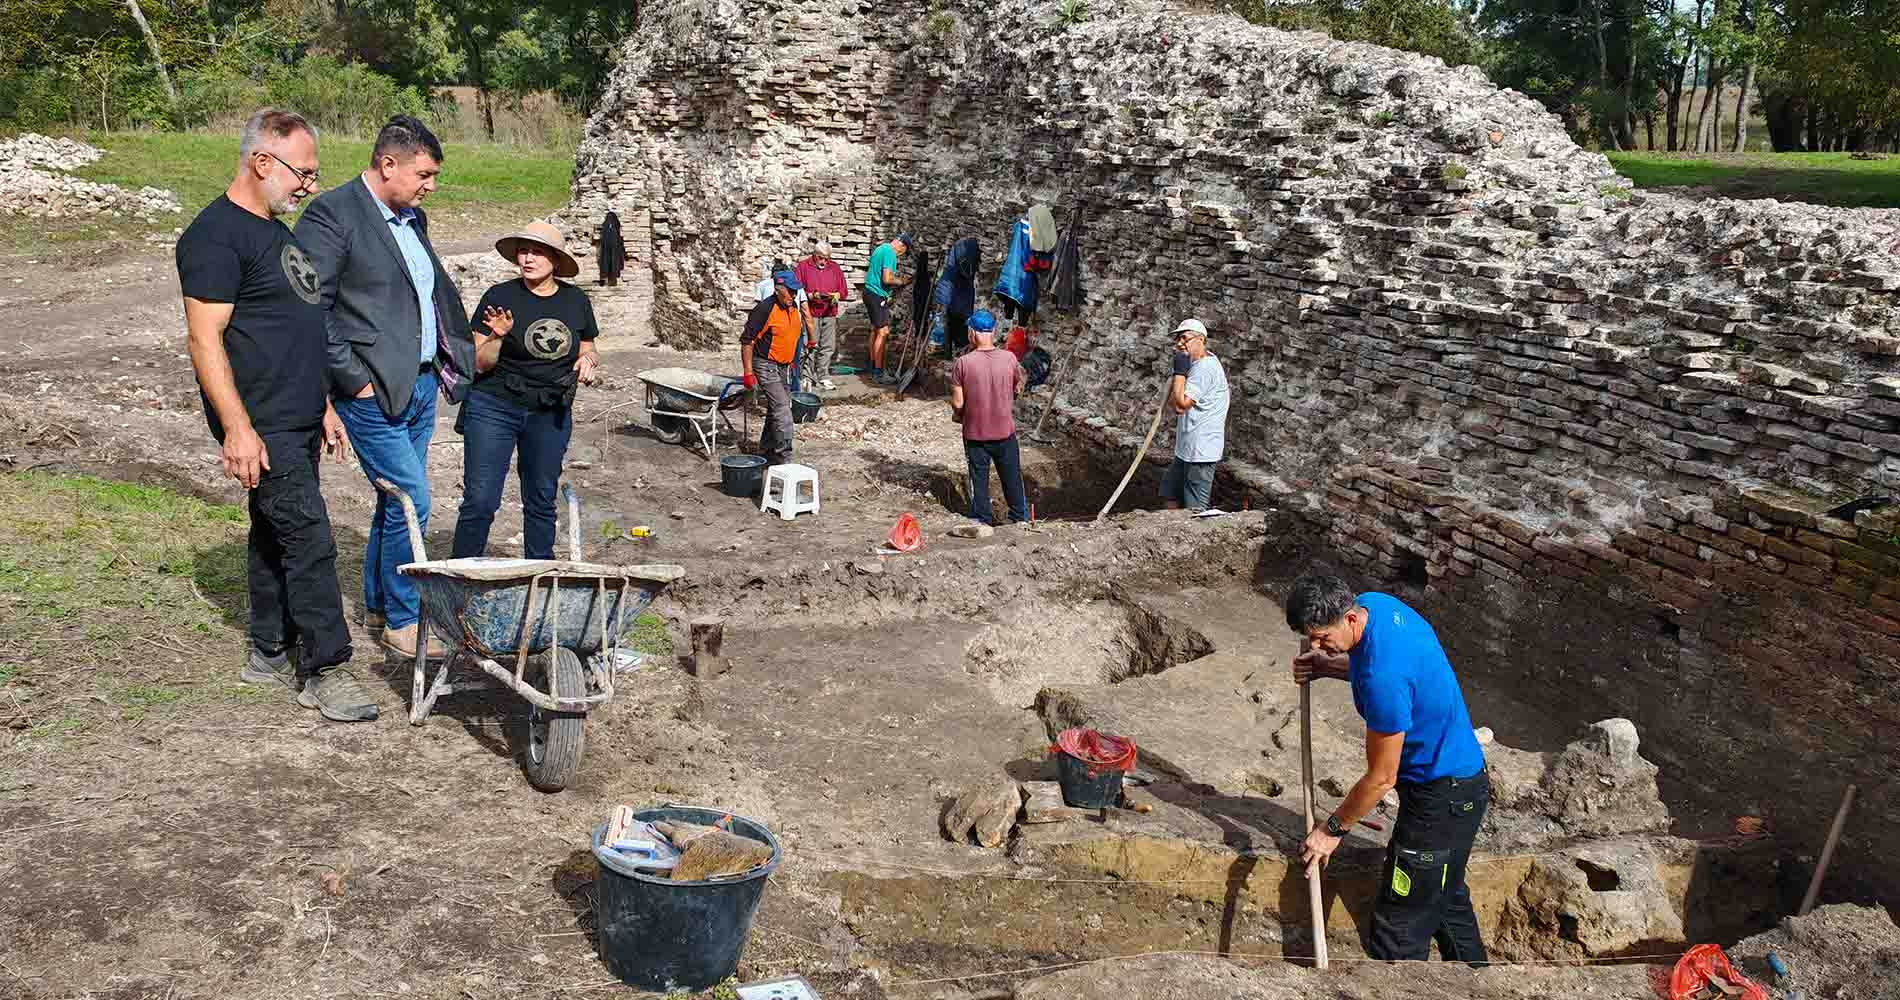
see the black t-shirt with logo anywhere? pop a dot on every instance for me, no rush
(536, 368)
(275, 339)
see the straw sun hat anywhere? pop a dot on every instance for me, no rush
(540, 232)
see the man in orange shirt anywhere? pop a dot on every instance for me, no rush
(766, 349)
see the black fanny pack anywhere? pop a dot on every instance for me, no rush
(537, 394)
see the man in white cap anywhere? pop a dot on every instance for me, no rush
(825, 288)
(1197, 392)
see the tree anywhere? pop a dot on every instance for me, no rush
(1432, 27)
(158, 55)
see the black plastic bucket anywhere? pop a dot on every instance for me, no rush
(741, 475)
(1082, 791)
(805, 407)
(661, 935)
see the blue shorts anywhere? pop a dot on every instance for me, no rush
(1190, 484)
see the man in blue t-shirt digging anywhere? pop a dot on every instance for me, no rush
(1418, 740)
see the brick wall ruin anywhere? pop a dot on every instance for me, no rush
(1595, 434)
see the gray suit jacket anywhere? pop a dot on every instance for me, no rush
(369, 300)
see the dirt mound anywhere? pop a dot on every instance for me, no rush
(1835, 951)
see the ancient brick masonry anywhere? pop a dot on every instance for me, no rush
(1595, 434)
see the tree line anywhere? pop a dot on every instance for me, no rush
(1622, 74)
(1683, 74)
(348, 64)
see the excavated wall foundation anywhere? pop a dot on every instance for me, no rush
(1608, 442)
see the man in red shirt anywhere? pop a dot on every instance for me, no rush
(983, 387)
(825, 288)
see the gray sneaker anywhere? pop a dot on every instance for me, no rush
(266, 670)
(337, 694)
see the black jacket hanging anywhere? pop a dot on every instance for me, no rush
(613, 249)
(1065, 282)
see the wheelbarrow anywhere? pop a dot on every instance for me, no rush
(682, 398)
(559, 621)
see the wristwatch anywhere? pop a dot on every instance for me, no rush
(1333, 829)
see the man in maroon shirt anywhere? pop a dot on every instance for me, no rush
(825, 287)
(983, 388)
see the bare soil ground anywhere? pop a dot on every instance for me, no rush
(170, 833)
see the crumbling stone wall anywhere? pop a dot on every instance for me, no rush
(1595, 434)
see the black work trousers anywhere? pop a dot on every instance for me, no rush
(1422, 897)
(295, 600)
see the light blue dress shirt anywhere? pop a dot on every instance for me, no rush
(421, 268)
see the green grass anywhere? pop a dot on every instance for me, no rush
(1816, 178)
(114, 595)
(649, 635)
(482, 186)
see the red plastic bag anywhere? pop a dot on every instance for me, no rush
(1697, 965)
(1099, 751)
(905, 535)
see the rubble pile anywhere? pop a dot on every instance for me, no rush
(34, 183)
(1835, 951)
(37, 150)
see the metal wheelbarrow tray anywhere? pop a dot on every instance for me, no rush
(678, 398)
(559, 620)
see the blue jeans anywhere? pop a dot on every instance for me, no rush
(1009, 468)
(493, 430)
(1190, 484)
(396, 450)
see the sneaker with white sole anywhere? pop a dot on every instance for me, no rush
(337, 694)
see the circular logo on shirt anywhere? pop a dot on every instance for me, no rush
(548, 339)
(301, 273)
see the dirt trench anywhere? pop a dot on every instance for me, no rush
(236, 847)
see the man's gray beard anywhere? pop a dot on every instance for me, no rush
(280, 204)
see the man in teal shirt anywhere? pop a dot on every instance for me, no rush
(880, 280)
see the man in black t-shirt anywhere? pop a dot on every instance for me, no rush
(256, 335)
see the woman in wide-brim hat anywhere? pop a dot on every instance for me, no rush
(534, 342)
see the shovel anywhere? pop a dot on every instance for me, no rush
(922, 341)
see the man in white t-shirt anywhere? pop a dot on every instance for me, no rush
(1198, 394)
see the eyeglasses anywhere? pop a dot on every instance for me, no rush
(309, 177)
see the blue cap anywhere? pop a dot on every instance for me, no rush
(982, 321)
(906, 239)
(789, 280)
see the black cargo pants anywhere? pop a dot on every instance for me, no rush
(295, 599)
(1422, 897)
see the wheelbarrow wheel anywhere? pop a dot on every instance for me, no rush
(670, 430)
(555, 738)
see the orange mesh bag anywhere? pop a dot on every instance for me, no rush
(1700, 966)
(905, 535)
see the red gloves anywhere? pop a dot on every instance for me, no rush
(751, 381)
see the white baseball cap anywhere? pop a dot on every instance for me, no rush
(1192, 326)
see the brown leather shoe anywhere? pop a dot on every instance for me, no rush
(402, 642)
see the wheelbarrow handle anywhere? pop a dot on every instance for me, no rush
(409, 514)
(573, 521)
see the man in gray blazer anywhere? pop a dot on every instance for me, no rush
(397, 333)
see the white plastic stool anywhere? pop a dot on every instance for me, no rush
(789, 477)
